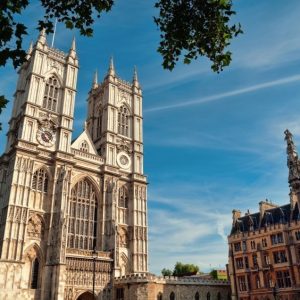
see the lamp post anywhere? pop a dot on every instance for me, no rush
(94, 255)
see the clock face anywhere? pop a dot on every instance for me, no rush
(45, 137)
(123, 160)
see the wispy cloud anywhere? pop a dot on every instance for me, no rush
(249, 89)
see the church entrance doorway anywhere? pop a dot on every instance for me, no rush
(86, 296)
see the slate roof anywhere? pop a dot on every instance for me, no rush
(277, 215)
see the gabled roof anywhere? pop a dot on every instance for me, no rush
(277, 215)
(84, 137)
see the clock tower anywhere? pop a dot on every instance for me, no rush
(44, 99)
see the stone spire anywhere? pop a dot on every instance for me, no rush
(135, 81)
(29, 52)
(72, 51)
(292, 161)
(42, 37)
(111, 70)
(95, 81)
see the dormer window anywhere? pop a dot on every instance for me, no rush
(51, 94)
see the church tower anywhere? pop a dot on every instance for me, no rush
(69, 207)
(115, 123)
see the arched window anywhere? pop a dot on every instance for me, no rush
(172, 296)
(99, 124)
(123, 197)
(159, 296)
(219, 296)
(208, 296)
(51, 94)
(123, 121)
(34, 274)
(40, 181)
(197, 296)
(82, 216)
(84, 146)
(257, 281)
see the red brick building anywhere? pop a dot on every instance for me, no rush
(264, 247)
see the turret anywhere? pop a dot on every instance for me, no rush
(111, 69)
(72, 52)
(95, 81)
(135, 81)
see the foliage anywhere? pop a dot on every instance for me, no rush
(195, 28)
(166, 272)
(214, 274)
(3, 103)
(181, 269)
(74, 14)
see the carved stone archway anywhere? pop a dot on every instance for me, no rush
(86, 296)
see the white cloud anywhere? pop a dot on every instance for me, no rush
(236, 92)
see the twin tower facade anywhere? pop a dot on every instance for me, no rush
(69, 206)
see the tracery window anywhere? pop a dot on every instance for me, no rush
(99, 124)
(159, 296)
(51, 94)
(208, 296)
(83, 216)
(84, 146)
(34, 274)
(219, 296)
(197, 297)
(123, 197)
(123, 121)
(123, 205)
(40, 181)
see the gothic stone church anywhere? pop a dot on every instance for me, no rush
(63, 199)
(69, 206)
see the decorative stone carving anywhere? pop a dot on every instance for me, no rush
(124, 145)
(35, 227)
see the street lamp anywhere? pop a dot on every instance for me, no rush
(94, 255)
(274, 291)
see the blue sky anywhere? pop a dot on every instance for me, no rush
(213, 142)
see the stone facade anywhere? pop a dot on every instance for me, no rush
(264, 247)
(63, 200)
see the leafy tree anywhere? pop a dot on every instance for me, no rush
(214, 274)
(181, 269)
(189, 28)
(166, 272)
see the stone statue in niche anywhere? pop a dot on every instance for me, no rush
(35, 227)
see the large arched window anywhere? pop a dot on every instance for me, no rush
(197, 296)
(123, 121)
(208, 296)
(82, 216)
(51, 94)
(40, 181)
(172, 296)
(34, 274)
(159, 296)
(219, 296)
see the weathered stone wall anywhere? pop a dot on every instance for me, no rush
(149, 287)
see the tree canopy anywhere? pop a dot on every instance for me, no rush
(181, 269)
